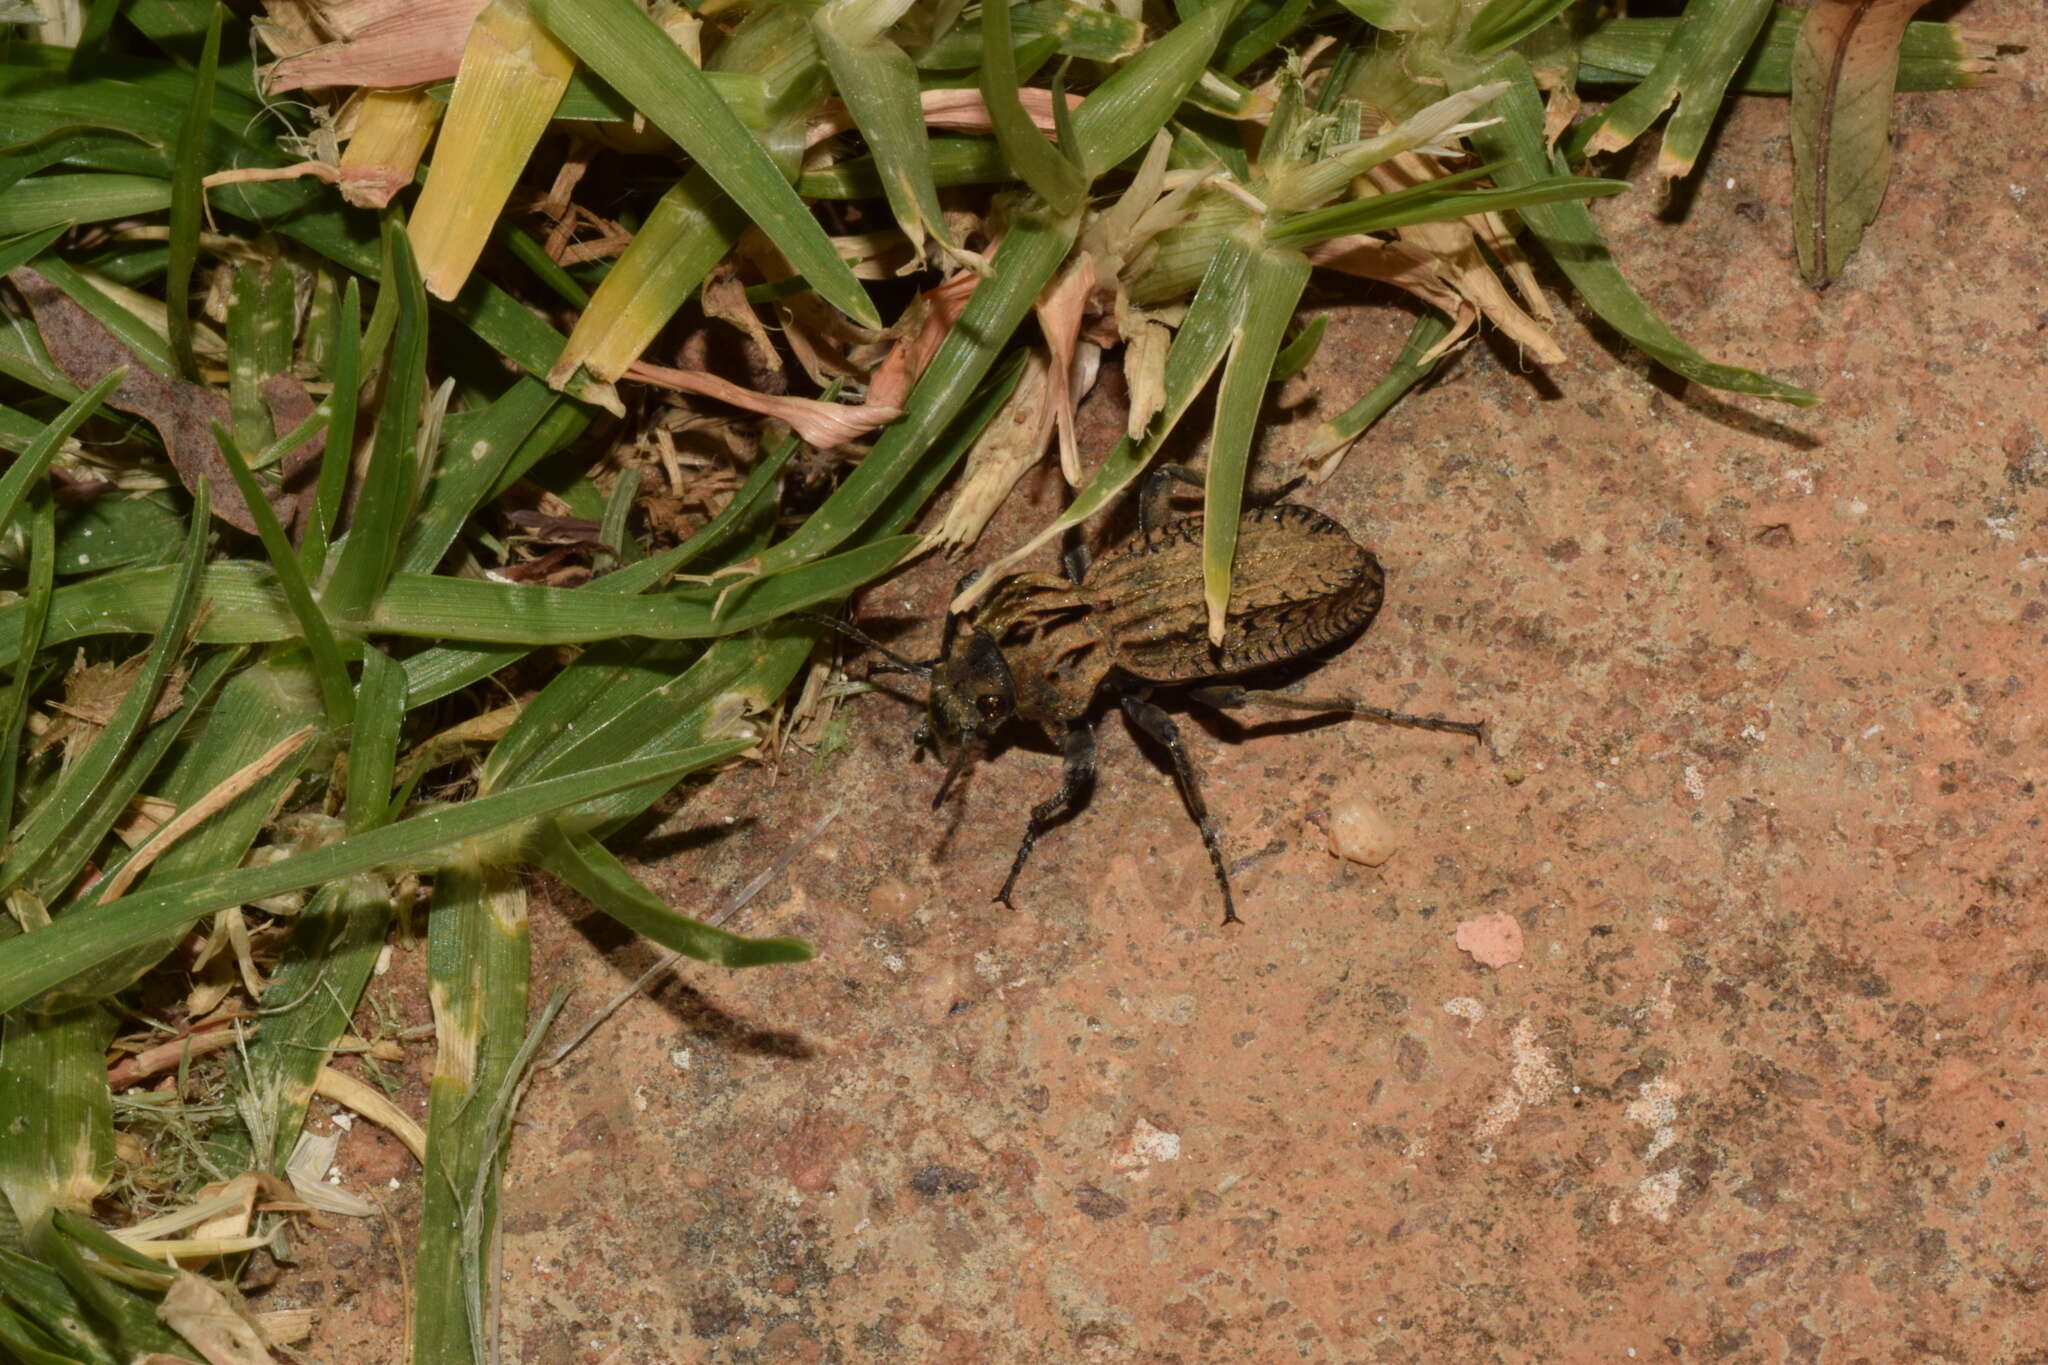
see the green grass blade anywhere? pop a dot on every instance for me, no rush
(74, 790)
(470, 467)
(619, 41)
(43, 201)
(1033, 250)
(373, 744)
(1077, 30)
(1213, 320)
(36, 963)
(313, 628)
(1431, 203)
(1295, 356)
(599, 877)
(262, 326)
(57, 1146)
(383, 506)
(344, 374)
(1273, 283)
(477, 967)
(25, 471)
(1624, 51)
(1568, 233)
(1058, 181)
(35, 606)
(328, 960)
(19, 251)
(84, 839)
(878, 83)
(1408, 370)
(953, 161)
(244, 607)
(188, 167)
(1693, 71)
(689, 230)
(434, 673)
(419, 606)
(1120, 116)
(1503, 23)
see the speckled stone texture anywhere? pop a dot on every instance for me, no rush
(1764, 797)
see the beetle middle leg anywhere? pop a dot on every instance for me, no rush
(1074, 783)
(1156, 723)
(1231, 698)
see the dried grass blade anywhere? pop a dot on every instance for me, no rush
(512, 77)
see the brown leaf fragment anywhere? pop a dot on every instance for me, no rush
(1845, 67)
(183, 413)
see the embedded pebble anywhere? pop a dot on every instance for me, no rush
(1493, 940)
(1361, 833)
(891, 899)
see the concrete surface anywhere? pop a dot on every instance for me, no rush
(1764, 803)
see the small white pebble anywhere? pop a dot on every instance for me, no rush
(1360, 833)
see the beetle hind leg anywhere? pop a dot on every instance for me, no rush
(1075, 781)
(1231, 698)
(1156, 723)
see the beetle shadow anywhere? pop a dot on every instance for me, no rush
(959, 801)
(707, 1023)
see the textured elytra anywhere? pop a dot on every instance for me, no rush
(1299, 582)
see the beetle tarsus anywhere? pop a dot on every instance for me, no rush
(1232, 698)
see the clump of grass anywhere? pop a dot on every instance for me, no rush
(304, 460)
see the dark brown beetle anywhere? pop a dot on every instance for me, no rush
(1042, 648)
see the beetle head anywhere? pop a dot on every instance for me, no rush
(971, 697)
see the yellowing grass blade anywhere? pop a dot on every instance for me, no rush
(512, 77)
(392, 129)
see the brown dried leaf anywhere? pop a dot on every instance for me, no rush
(182, 413)
(1845, 67)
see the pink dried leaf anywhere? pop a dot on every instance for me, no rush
(953, 111)
(387, 43)
(823, 425)
(1060, 310)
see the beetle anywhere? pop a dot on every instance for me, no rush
(1044, 648)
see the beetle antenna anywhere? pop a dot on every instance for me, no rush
(953, 770)
(902, 665)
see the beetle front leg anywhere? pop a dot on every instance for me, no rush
(1230, 698)
(1074, 783)
(1156, 723)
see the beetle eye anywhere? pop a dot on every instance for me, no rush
(990, 705)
